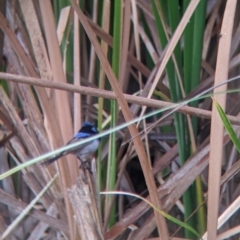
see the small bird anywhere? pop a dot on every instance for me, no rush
(83, 152)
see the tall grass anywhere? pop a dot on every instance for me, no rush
(157, 52)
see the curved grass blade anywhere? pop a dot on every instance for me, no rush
(167, 216)
(228, 125)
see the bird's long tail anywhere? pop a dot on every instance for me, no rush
(51, 160)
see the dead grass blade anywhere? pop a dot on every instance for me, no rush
(176, 36)
(11, 227)
(62, 104)
(110, 95)
(128, 117)
(77, 101)
(41, 216)
(216, 143)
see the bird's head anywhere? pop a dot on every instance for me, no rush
(87, 130)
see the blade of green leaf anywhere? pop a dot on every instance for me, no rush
(228, 125)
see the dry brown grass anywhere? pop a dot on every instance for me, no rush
(41, 111)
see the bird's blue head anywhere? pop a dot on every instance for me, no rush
(87, 130)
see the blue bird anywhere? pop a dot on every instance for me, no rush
(83, 152)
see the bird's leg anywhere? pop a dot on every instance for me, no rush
(85, 165)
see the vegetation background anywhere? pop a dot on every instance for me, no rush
(62, 64)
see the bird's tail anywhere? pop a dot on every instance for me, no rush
(51, 160)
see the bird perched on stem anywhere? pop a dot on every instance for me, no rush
(83, 152)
